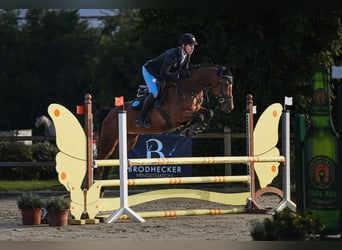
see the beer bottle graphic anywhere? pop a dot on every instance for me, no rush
(321, 156)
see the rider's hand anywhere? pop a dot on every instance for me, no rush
(184, 74)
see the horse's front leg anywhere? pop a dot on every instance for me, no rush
(206, 116)
(199, 122)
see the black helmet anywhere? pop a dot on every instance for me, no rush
(187, 38)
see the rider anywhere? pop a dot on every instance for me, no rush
(166, 66)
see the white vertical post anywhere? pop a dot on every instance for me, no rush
(286, 169)
(124, 209)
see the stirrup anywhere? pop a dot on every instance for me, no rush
(147, 124)
(140, 122)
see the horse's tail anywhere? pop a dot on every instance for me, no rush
(101, 115)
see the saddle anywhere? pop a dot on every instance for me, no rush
(138, 102)
(142, 92)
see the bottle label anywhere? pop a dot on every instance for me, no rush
(321, 190)
(320, 102)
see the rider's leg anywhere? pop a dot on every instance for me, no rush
(142, 121)
(151, 83)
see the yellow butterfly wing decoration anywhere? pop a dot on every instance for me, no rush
(265, 141)
(71, 163)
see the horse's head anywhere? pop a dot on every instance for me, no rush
(215, 78)
(222, 89)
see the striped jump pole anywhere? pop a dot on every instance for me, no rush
(176, 180)
(191, 160)
(188, 212)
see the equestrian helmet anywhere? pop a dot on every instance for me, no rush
(187, 38)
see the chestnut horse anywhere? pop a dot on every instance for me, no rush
(180, 108)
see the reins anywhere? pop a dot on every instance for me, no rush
(187, 90)
(221, 98)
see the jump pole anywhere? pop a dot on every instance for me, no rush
(124, 208)
(187, 212)
(192, 160)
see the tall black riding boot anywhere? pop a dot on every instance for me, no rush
(141, 121)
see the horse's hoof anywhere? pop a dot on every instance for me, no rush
(198, 130)
(147, 122)
(191, 133)
(184, 132)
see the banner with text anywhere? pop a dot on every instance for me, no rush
(161, 146)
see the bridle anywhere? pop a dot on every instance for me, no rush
(224, 80)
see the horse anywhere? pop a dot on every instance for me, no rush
(49, 127)
(179, 108)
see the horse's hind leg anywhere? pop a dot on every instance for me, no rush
(104, 172)
(108, 141)
(131, 141)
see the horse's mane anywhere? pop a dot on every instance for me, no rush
(222, 69)
(195, 66)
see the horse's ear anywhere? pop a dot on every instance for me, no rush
(227, 72)
(223, 72)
